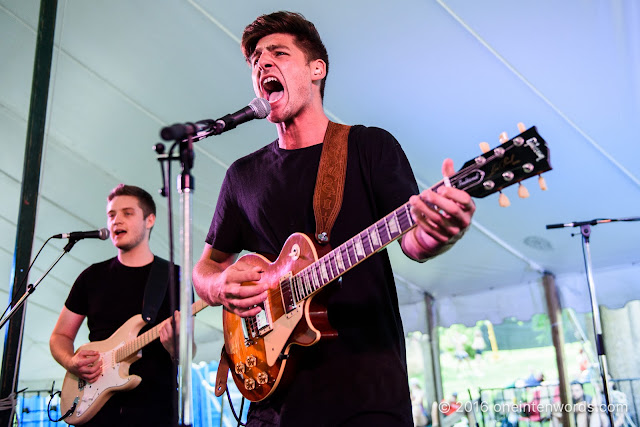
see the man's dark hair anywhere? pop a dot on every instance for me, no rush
(145, 200)
(306, 36)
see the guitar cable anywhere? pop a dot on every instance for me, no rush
(238, 419)
(68, 413)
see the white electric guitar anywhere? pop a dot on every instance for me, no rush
(82, 399)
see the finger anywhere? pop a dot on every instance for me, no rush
(249, 278)
(455, 205)
(88, 353)
(248, 312)
(93, 377)
(246, 268)
(239, 305)
(447, 168)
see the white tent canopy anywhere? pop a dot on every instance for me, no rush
(441, 75)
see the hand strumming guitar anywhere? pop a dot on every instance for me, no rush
(218, 280)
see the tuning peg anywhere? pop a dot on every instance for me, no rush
(523, 193)
(542, 183)
(503, 137)
(503, 200)
(484, 146)
(521, 127)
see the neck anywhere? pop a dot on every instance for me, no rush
(304, 130)
(138, 256)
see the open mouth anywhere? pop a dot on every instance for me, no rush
(272, 89)
(119, 232)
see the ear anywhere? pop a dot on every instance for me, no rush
(150, 221)
(318, 69)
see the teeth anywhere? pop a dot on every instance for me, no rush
(269, 79)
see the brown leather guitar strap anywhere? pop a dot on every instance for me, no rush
(222, 374)
(332, 170)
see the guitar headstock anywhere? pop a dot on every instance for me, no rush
(515, 160)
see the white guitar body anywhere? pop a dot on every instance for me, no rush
(89, 398)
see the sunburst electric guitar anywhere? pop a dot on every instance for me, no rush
(82, 399)
(258, 347)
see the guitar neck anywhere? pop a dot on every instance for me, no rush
(346, 256)
(148, 337)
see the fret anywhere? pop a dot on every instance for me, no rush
(381, 228)
(327, 261)
(301, 286)
(375, 238)
(366, 243)
(300, 295)
(407, 217)
(304, 289)
(394, 226)
(298, 288)
(348, 253)
(339, 260)
(323, 271)
(385, 221)
(359, 249)
(332, 265)
(314, 279)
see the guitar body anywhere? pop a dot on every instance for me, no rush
(90, 397)
(258, 360)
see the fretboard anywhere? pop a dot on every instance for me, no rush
(346, 256)
(148, 337)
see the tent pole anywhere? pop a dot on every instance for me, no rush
(28, 198)
(432, 325)
(554, 309)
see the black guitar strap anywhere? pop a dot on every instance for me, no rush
(156, 289)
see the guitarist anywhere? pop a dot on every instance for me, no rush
(110, 293)
(359, 378)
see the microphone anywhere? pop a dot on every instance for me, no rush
(102, 234)
(259, 108)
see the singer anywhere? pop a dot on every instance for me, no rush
(108, 294)
(360, 377)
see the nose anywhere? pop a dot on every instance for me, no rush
(265, 61)
(115, 219)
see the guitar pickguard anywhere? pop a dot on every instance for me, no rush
(110, 379)
(274, 341)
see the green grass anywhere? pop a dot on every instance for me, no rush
(502, 368)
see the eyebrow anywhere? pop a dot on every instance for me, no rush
(123, 209)
(270, 48)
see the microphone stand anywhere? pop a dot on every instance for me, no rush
(585, 231)
(185, 135)
(186, 185)
(32, 287)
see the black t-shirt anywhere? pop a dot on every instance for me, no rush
(108, 294)
(268, 195)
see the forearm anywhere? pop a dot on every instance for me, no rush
(205, 274)
(62, 349)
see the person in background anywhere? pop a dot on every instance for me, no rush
(108, 294)
(417, 404)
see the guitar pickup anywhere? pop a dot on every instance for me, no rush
(286, 290)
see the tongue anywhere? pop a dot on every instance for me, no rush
(274, 96)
